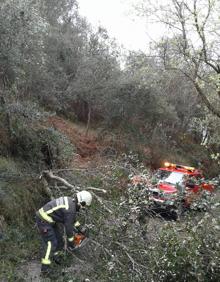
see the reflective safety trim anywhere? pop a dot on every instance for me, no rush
(45, 216)
(65, 206)
(56, 208)
(46, 260)
(77, 224)
(48, 250)
(71, 239)
(66, 203)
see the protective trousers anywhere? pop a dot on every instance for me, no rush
(52, 240)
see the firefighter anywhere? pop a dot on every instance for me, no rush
(59, 211)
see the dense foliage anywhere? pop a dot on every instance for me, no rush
(163, 104)
(51, 59)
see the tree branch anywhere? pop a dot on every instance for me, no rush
(49, 174)
(101, 202)
(201, 33)
(199, 91)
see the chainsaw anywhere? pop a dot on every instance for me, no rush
(81, 237)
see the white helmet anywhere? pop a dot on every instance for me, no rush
(84, 198)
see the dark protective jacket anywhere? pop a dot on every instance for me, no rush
(61, 210)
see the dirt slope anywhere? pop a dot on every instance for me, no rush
(86, 144)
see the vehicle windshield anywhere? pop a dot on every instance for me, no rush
(174, 178)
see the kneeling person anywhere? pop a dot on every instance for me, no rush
(62, 210)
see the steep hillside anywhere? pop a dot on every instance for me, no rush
(73, 117)
(86, 144)
(126, 240)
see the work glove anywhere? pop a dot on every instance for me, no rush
(71, 246)
(83, 230)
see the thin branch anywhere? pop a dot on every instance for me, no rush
(180, 15)
(97, 189)
(201, 33)
(107, 251)
(69, 169)
(101, 202)
(199, 91)
(130, 257)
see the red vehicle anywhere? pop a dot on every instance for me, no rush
(178, 183)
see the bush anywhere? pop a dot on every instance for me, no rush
(42, 147)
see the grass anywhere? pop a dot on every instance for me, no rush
(19, 244)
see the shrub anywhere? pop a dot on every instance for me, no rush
(43, 147)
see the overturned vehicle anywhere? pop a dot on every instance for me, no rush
(177, 188)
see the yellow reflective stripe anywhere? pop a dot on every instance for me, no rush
(44, 215)
(77, 224)
(46, 260)
(65, 206)
(71, 239)
(48, 250)
(56, 208)
(66, 203)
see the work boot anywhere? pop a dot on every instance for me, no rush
(45, 270)
(57, 259)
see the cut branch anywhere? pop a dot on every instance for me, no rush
(49, 174)
(96, 189)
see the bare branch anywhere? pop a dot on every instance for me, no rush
(49, 174)
(201, 33)
(96, 189)
(101, 202)
(205, 100)
(130, 257)
(107, 251)
(179, 8)
(199, 91)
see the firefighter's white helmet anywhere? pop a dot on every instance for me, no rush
(84, 198)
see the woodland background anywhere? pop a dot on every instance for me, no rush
(71, 102)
